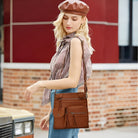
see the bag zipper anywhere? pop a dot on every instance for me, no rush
(78, 113)
(70, 99)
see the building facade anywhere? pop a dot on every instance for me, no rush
(28, 43)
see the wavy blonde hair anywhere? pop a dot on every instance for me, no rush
(60, 33)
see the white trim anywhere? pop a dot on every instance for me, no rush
(32, 23)
(6, 25)
(26, 66)
(115, 66)
(96, 66)
(51, 22)
(103, 23)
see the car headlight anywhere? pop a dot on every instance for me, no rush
(18, 128)
(27, 127)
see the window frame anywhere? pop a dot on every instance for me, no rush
(128, 53)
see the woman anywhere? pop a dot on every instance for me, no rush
(71, 27)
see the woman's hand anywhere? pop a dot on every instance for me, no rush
(30, 90)
(44, 122)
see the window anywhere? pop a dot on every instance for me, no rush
(128, 31)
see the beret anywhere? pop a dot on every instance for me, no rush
(74, 7)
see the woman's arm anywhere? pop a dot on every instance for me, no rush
(74, 70)
(65, 83)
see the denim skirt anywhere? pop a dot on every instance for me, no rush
(61, 133)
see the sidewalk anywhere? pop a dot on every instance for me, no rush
(120, 132)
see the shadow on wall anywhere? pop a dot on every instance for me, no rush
(125, 116)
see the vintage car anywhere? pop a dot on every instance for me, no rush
(16, 123)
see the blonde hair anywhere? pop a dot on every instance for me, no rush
(60, 33)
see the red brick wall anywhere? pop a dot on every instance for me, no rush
(112, 96)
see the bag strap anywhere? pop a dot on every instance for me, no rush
(84, 67)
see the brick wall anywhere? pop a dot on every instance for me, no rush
(112, 96)
(113, 99)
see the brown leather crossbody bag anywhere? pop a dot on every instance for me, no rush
(70, 109)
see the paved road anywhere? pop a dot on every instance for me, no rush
(122, 132)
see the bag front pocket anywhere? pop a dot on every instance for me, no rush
(59, 118)
(77, 116)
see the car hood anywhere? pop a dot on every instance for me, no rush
(14, 113)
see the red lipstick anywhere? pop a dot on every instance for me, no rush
(68, 28)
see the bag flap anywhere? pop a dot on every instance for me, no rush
(58, 112)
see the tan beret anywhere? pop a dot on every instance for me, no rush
(74, 7)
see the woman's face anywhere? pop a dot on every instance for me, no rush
(71, 22)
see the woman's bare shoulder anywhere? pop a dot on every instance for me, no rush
(75, 41)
